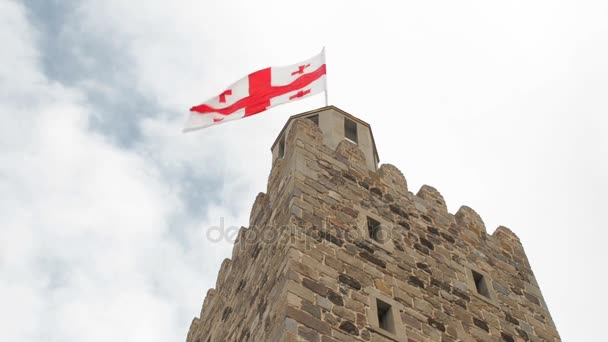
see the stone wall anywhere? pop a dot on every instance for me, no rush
(429, 276)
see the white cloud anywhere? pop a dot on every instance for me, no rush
(86, 245)
(499, 106)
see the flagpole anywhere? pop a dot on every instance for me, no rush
(326, 102)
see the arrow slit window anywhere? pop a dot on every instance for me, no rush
(385, 316)
(350, 130)
(480, 284)
(282, 148)
(373, 229)
(314, 118)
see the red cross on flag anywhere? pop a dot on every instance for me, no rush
(259, 91)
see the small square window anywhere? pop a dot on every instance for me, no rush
(386, 321)
(350, 130)
(314, 118)
(480, 284)
(374, 230)
(282, 148)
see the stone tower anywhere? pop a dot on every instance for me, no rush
(338, 249)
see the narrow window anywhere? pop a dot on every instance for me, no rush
(314, 118)
(373, 228)
(385, 316)
(350, 130)
(282, 148)
(480, 284)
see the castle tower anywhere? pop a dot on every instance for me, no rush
(338, 249)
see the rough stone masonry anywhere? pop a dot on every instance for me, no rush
(338, 249)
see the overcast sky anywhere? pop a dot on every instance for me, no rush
(105, 204)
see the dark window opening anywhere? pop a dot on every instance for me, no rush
(314, 118)
(480, 284)
(282, 148)
(373, 228)
(385, 316)
(350, 130)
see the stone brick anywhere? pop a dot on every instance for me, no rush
(345, 279)
(354, 305)
(511, 319)
(315, 287)
(436, 324)
(335, 298)
(312, 309)
(416, 282)
(308, 320)
(349, 328)
(381, 285)
(308, 334)
(300, 291)
(291, 325)
(328, 339)
(369, 257)
(324, 303)
(506, 337)
(342, 312)
(483, 325)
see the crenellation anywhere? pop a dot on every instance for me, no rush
(467, 218)
(224, 272)
(433, 198)
(393, 178)
(194, 327)
(209, 301)
(360, 258)
(348, 153)
(240, 241)
(505, 234)
(260, 203)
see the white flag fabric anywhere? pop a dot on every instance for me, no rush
(259, 91)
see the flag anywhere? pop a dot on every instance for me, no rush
(259, 91)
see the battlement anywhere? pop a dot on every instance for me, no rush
(356, 256)
(389, 179)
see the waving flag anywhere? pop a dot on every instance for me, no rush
(259, 91)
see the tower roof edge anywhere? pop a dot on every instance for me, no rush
(322, 109)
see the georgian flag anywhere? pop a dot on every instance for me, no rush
(259, 91)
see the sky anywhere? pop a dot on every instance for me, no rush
(106, 207)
